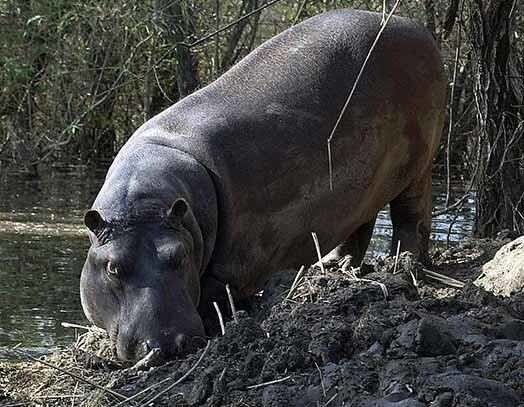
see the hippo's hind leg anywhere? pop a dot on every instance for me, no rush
(411, 218)
(355, 245)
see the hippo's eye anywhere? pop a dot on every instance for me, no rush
(111, 269)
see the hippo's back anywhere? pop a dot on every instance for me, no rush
(262, 128)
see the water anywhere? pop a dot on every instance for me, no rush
(42, 250)
(43, 245)
(446, 228)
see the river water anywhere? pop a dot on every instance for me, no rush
(43, 245)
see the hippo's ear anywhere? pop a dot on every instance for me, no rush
(178, 209)
(94, 222)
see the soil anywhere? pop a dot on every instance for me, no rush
(381, 335)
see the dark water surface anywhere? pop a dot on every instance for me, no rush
(43, 245)
(42, 249)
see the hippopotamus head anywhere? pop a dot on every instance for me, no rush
(140, 281)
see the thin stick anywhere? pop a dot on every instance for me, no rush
(321, 380)
(74, 375)
(299, 12)
(61, 396)
(444, 279)
(152, 357)
(344, 108)
(238, 20)
(295, 283)
(76, 326)
(256, 386)
(317, 248)
(396, 257)
(415, 282)
(74, 392)
(220, 319)
(231, 304)
(217, 49)
(330, 400)
(168, 388)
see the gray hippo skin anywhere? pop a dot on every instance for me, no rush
(226, 186)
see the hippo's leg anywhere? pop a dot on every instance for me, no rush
(355, 245)
(411, 218)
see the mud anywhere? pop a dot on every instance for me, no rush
(381, 335)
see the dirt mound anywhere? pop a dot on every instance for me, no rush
(387, 334)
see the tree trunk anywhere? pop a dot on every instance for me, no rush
(431, 25)
(232, 51)
(499, 93)
(176, 18)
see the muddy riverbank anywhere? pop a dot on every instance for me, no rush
(386, 334)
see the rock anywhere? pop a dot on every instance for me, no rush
(433, 338)
(492, 392)
(504, 275)
(276, 395)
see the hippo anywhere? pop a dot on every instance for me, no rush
(227, 185)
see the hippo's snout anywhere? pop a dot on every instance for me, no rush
(167, 347)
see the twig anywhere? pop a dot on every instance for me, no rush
(217, 48)
(224, 28)
(256, 386)
(168, 388)
(220, 319)
(74, 393)
(330, 400)
(396, 258)
(452, 282)
(232, 304)
(455, 205)
(148, 360)
(357, 80)
(60, 396)
(295, 283)
(317, 248)
(76, 326)
(299, 12)
(74, 375)
(321, 380)
(415, 282)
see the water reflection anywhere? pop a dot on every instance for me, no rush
(445, 228)
(43, 246)
(42, 249)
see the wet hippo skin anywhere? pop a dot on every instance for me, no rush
(226, 186)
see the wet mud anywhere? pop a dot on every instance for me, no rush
(384, 335)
